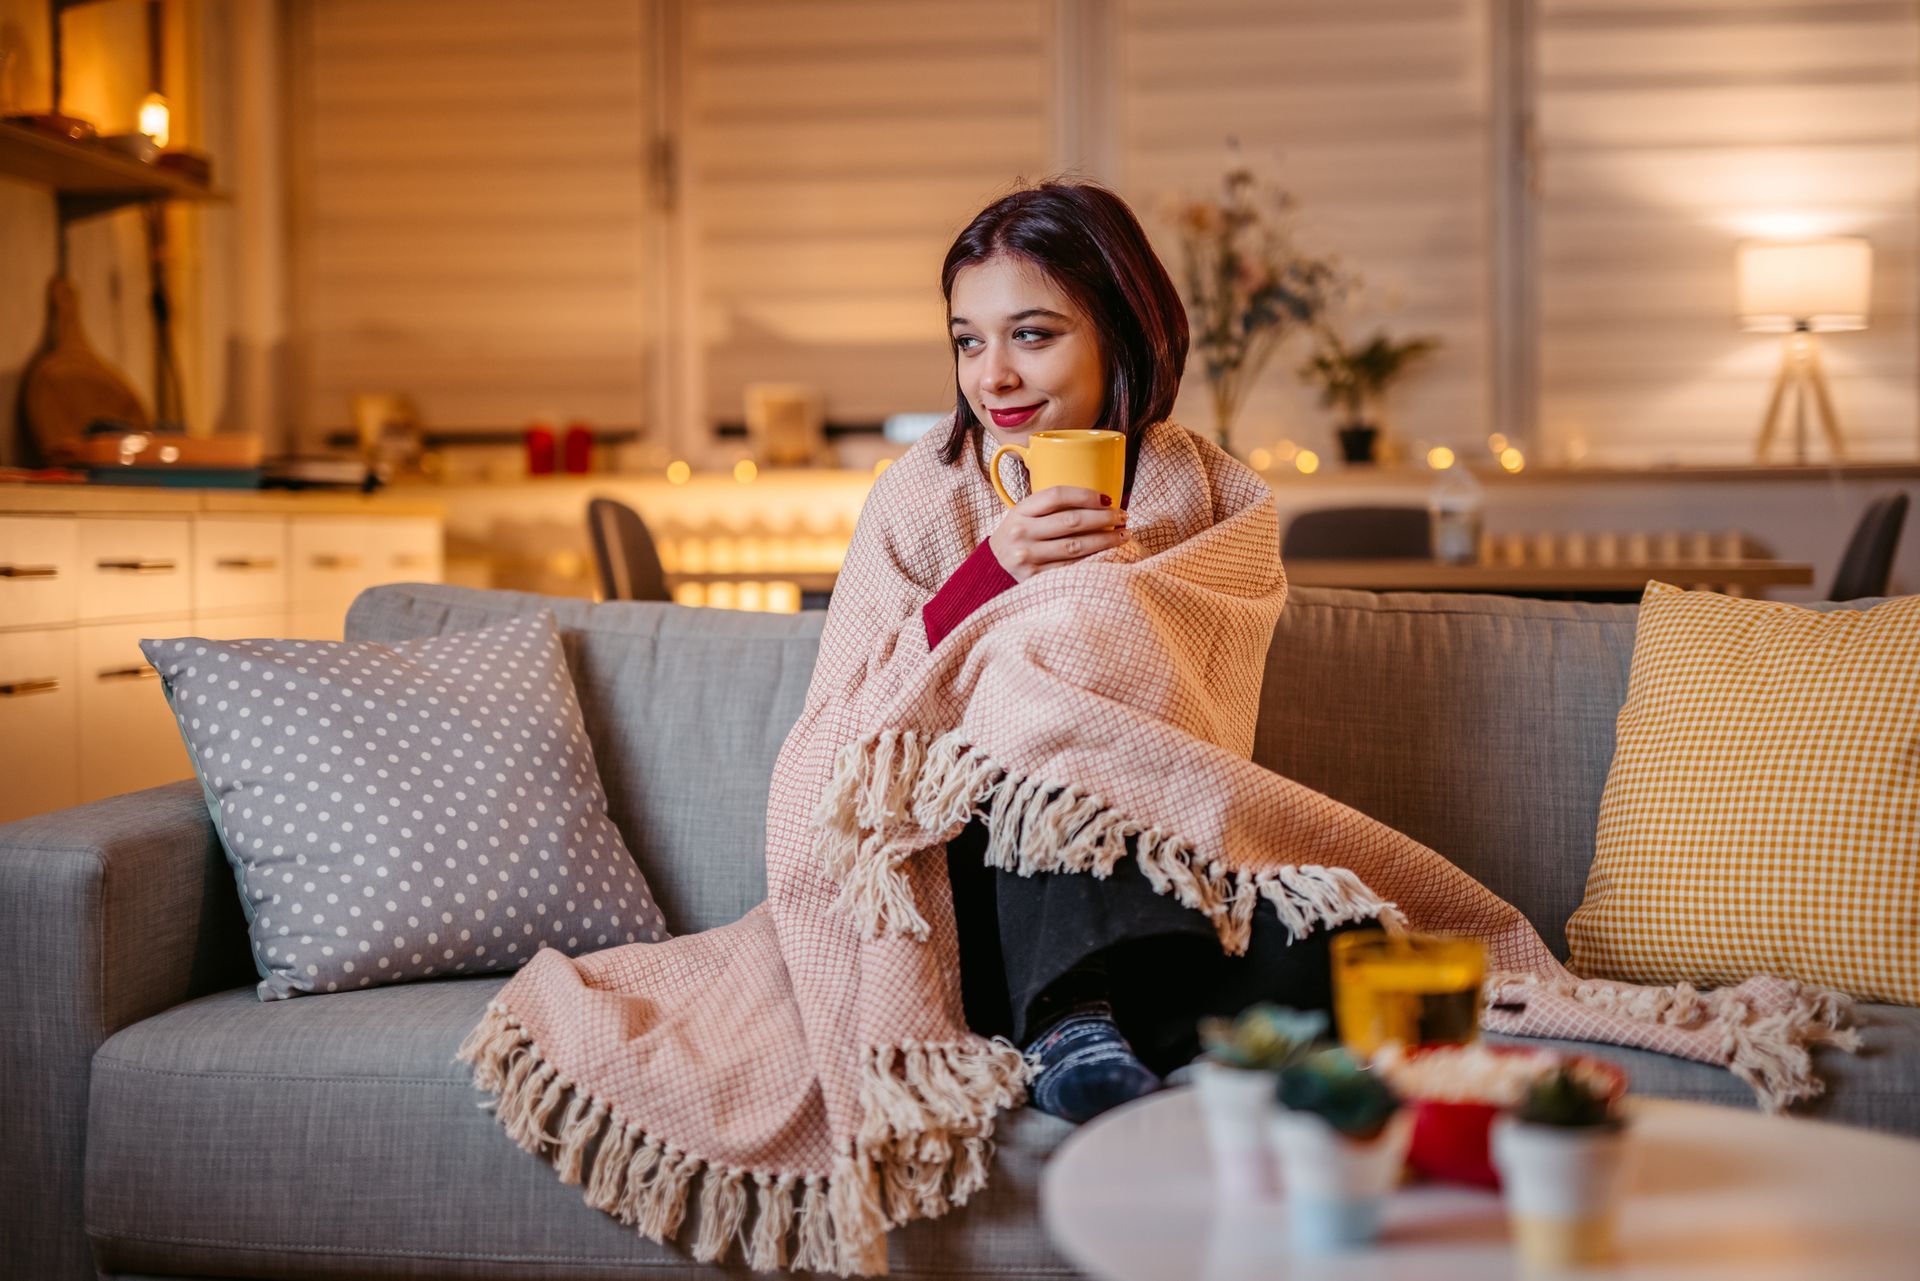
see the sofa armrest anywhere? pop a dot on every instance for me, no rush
(109, 913)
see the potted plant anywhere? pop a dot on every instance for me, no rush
(1341, 1138)
(1247, 286)
(1560, 1155)
(1234, 1085)
(1353, 380)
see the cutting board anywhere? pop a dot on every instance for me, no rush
(68, 386)
(152, 450)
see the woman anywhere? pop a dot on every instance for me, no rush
(1061, 316)
(1029, 809)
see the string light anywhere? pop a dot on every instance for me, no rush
(745, 471)
(678, 472)
(1260, 459)
(1512, 459)
(1439, 458)
(1307, 461)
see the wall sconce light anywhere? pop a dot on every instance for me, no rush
(1802, 289)
(156, 119)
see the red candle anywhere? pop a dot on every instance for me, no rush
(577, 449)
(539, 450)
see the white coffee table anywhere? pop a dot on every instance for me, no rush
(1714, 1193)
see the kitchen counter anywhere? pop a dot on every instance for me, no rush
(25, 497)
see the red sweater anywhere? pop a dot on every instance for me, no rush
(979, 579)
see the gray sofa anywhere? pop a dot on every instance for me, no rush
(158, 1120)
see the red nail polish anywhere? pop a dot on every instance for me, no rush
(1105, 501)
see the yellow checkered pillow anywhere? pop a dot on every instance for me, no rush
(1762, 815)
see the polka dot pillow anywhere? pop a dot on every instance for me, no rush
(405, 811)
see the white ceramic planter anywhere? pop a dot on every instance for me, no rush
(1235, 1105)
(1335, 1185)
(1562, 1188)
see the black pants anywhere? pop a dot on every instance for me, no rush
(1165, 965)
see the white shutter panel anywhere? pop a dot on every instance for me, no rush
(833, 150)
(470, 208)
(1668, 133)
(1374, 114)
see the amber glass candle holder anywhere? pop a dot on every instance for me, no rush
(1414, 989)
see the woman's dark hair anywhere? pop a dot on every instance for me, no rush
(1089, 242)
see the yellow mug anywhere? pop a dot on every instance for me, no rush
(1090, 458)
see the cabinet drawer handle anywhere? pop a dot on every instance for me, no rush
(29, 571)
(246, 562)
(407, 560)
(16, 689)
(138, 566)
(128, 674)
(336, 562)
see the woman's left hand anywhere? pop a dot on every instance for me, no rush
(1054, 527)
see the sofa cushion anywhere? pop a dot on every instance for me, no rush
(399, 811)
(1763, 809)
(336, 1135)
(1481, 726)
(686, 709)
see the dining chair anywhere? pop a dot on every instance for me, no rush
(1359, 533)
(623, 551)
(1868, 562)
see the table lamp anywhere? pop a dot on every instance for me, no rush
(1801, 289)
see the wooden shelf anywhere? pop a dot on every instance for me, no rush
(89, 179)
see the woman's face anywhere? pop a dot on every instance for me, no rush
(1026, 356)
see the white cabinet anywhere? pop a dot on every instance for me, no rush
(239, 564)
(128, 739)
(268, 623)
(414, 552)
(39, 760)
(327, 624)
(335, 559)
(82, 714)
(39, 560)
(135, 568)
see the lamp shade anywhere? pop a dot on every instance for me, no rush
(1810, 284)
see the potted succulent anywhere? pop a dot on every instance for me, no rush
(1341, 1138)
(1560, 1154)
(1234, 1085)
(1353, 380)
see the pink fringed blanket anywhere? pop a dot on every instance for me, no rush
(806, 1072)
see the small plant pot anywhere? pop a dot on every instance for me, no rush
(1335, 1186)
(1235, 1105)
(1562, 1188)
(1357, 442)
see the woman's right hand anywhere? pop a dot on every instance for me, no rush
(1055, 527)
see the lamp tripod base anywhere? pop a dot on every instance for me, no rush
(1801, 373)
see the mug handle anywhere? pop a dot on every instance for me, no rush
(993, 471)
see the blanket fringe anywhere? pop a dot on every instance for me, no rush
(895, 792)
(829, 1224)
(1771, 1052)
(723, 1212)
(773, 1220)
(814, 1251)
(925, 1137)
